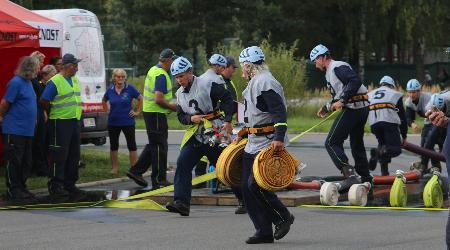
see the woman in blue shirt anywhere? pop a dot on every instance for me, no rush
(120, 96)
(18, 111)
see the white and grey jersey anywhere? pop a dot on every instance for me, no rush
(420, 108)
(339, 90)
(211, 76)
(196, 101)
(384, 95)
(257, 114)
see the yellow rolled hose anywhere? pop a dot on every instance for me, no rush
(229, 164)
(274, 170)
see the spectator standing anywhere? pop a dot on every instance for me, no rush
(121, 116)
(56, 61)
(18, 111)
(62, 95)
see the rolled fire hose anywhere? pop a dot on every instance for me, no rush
(229, 164)
(274, 170)
(357, 195)
(432, 193)
(398, 195)
(423, 151)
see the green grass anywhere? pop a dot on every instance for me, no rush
(299, 120)
(97, 168)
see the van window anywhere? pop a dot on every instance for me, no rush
(88, 48)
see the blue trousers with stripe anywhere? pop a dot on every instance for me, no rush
(263, 207)
(349, 122)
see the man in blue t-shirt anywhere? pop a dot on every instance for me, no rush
(18, 111)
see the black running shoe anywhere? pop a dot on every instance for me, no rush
(283, 228)
(138, 179)
(178, 207)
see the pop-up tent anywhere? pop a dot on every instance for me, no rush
(15, 33)
(34, 32)
(22, 32)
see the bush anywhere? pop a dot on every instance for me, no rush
(280, 59)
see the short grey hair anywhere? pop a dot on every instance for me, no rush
(48, 70)
(28, 67)
(119, 72)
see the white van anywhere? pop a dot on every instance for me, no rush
(83, 38)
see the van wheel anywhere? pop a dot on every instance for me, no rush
(99, 141)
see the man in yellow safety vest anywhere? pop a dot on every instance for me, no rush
(62, 98)
(157, 97)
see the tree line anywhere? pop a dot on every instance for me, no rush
(358, 31)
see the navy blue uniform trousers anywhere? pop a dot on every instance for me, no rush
(263, 207)
(349, 122)
(389, 142)
(155, 152)
(64, 148)
(446, 152)
(190, 155)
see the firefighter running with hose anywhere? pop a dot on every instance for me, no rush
(197, 106)
(266, 112)
(350, 95)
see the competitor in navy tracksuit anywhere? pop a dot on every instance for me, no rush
(350, 95)
(387, 122)
(265, 107)
(197, 101)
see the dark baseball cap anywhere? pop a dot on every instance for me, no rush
(69, 58)
(167, 54)
(231, 61)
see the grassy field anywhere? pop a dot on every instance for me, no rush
(97, 167)
(296, 123)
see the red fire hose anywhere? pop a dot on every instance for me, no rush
(377, 180)
(423, 151)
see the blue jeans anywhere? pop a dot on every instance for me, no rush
(190, 155)
(446, 152)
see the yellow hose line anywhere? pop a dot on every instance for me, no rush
(385, 208)
(313, 127)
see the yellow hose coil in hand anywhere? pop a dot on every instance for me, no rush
(274, 170)
(230, 163)
(432, 193)
(398, 195)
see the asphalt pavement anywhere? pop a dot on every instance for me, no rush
(214, 227)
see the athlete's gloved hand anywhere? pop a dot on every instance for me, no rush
(237, 140)
(404, 141)
(277, 145)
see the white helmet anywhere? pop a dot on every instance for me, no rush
(413, 85)
(387, 80)
(219, 60)
(180, 65)
(317, 51)
(437, 100)
(252, 54)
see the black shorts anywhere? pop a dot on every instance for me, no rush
(128, 131)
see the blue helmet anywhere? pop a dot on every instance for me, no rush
(317, 51)
(387, 80)
(218, 59)
(180, 65)
(413, 85)
(437, 100)
(252, 54)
